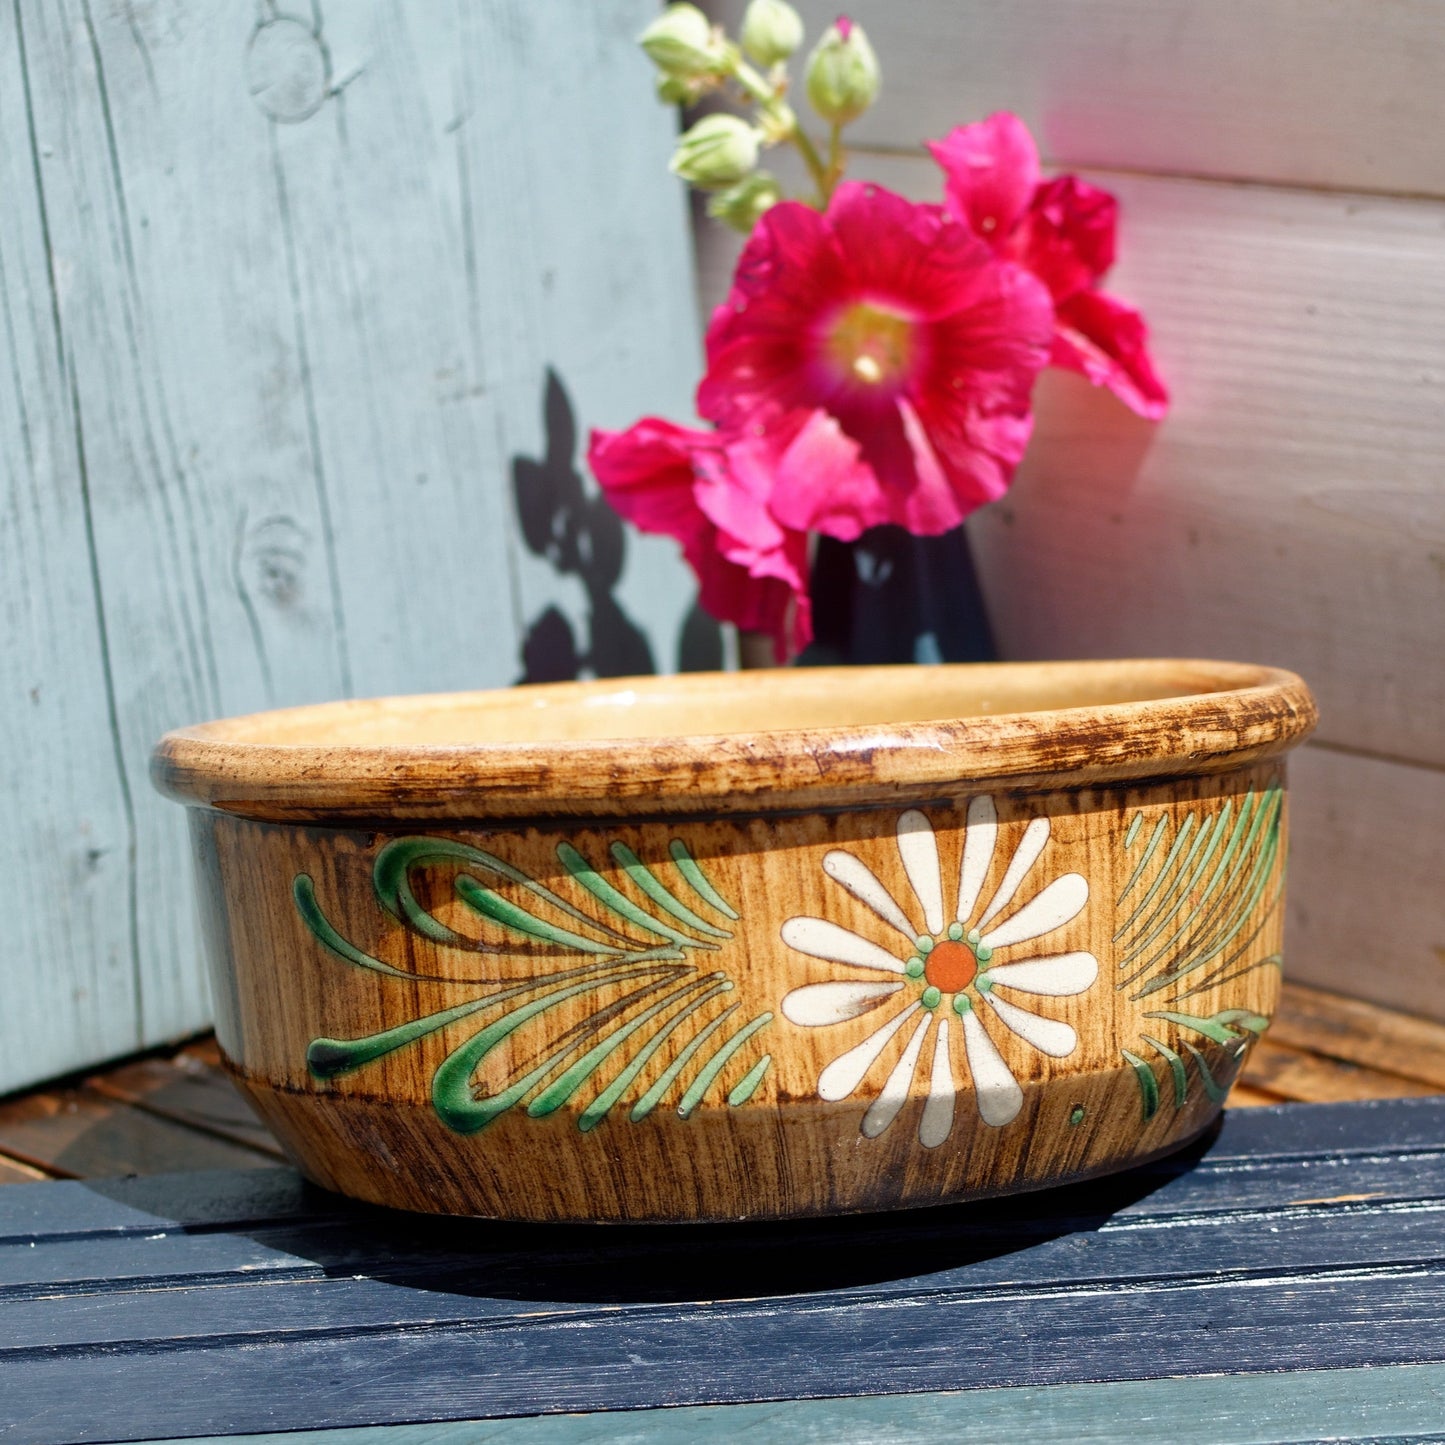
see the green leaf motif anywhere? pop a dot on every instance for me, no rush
(629, 957)
(1176, 1065)
(1232, 1028)
(1195, 924)
(1192, 923)
(1148, 1084)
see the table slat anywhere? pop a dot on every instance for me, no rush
(1302, 1238)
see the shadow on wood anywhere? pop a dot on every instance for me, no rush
(633, 1264)
(582, 537)
(1303, 1240)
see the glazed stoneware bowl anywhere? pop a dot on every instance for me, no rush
(750, 945)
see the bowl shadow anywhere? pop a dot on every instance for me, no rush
(623, 1264)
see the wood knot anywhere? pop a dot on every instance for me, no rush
(288, 71)
(271, 560)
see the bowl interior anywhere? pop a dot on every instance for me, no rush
(729, 704)
(730, 742)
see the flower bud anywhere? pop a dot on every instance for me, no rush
(741, 205)
(842, 73)
(672, 90)
(772, 31)
(718, 151)
(681, 42)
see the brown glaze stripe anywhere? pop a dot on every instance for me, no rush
(542, 751)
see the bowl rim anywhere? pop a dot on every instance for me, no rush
(1215, 716)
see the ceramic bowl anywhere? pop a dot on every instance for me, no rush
(749, 945)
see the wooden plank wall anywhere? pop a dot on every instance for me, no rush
(1283, 192)
(291, 302)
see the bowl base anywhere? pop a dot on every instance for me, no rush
(798, 1161)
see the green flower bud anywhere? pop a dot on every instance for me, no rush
(718, 151)
(742, 204)
(772, 31)
(681, 42)
(842, 74)
(674, 91)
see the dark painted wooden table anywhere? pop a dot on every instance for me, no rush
(1284, 1281)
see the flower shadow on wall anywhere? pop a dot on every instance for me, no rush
(582, 536)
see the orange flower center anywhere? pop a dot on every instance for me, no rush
(870, 344)
(951, 966)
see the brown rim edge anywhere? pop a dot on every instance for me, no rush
(1251, 713)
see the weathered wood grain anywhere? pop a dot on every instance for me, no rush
(151, 1115)
(1385, 1317)
(1331, 1025)
(375, 1271)
(69, 809)
(180, 404)
(1401, 1402)
(1367, 875)
(1396, 1126)
(13, 1171)
(282, 298)
(186, 1091)
(1292, 1073)
(1246, 1096)
(1303, 1239)
(140, 1204)
(81, 1133)
(1290, 509)
(460, 224)
(1323, 1045)
(1341, 95)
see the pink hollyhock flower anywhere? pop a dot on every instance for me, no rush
(710, 493)
(882, 358)
(1063, 231)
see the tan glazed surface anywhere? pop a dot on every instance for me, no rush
(723, 946)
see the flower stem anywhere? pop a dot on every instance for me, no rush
(769, 100)
(755, 650)
(814, 163)
(837, 161)
(756, 87)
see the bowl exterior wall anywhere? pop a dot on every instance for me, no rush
(749, 1017)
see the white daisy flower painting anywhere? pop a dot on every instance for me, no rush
(950, 985)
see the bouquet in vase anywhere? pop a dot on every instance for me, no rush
(875, 358)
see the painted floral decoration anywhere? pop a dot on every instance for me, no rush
(874, 361)
(960, 978)
(634, 972)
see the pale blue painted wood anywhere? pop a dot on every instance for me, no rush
(307, 274)
(66, 962)
(1399, 1401)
